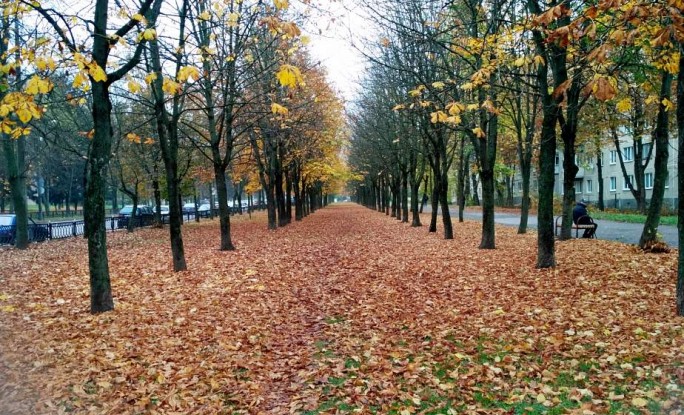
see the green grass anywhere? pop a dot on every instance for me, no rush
(630, 217)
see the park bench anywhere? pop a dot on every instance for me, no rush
(576, 227)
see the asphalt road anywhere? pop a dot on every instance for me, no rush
(608, 230)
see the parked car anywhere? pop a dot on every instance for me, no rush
(164, 209)
(37, 232)
(144, 215)
(189, 208)
(204, 207)
(8, 228)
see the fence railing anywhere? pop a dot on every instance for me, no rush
(39, 232)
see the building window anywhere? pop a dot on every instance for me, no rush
(613, 157)
(648, 180)
(578, 186)
(590, 186)
(557, 159)
(645, 148)
(628, 153)
(625, 185)
(613, 183)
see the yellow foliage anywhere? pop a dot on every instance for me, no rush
(36, 85)
(454, 108)
(479, 133)
(280, 4)
(171, 87)
(438, 116)
(289, 76)
(290, 29)
(279, 109)
(233, 19)
(98, 74)
(149, 34)
(150, 77)
(79, 80)
(205, 15)
(187, 72)
(438, 85)
(45, 63)
(624, 105)
(133, 138)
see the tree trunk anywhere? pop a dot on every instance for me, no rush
(599, 167)
(680, 186)
(101, 299)
(487, 160)
(15, 151)
(649, 235)
(462, 178)
(167, 133)
(476, 195)
(224, 212)
(404, 197)
(444, 202)
(434, 202)
(415, 189)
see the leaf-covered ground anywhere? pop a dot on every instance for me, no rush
(348, 311)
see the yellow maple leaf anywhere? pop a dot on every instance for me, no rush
(290, 29)
(205, 15)
(133, 138)
(24, 115)
(454, 119)
(36, 85)
(280, 4)
(7, 308)
(289, 76)
(171, 87)
(150, 77)
(233, 19)
(79, 80)
(187, 72)
(134, 87)
(97, 72)
(669, 106)
(479, 133)
(279, 109)
(455, 108)
(149, 141)
(624, 105)
(438, 85)
(438, 116)
(149, 34)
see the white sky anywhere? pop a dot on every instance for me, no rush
(339, 28)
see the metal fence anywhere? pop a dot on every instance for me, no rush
(39, 232)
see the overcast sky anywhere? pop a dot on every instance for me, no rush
(333, 46)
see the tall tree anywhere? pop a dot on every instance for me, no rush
(93, 71)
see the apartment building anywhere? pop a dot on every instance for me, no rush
(616, 192)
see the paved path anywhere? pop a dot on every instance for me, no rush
(609, 230)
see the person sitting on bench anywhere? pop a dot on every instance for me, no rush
(580, 216)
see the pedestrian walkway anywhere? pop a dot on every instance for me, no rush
(609, 230)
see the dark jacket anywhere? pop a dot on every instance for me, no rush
(578, 211)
